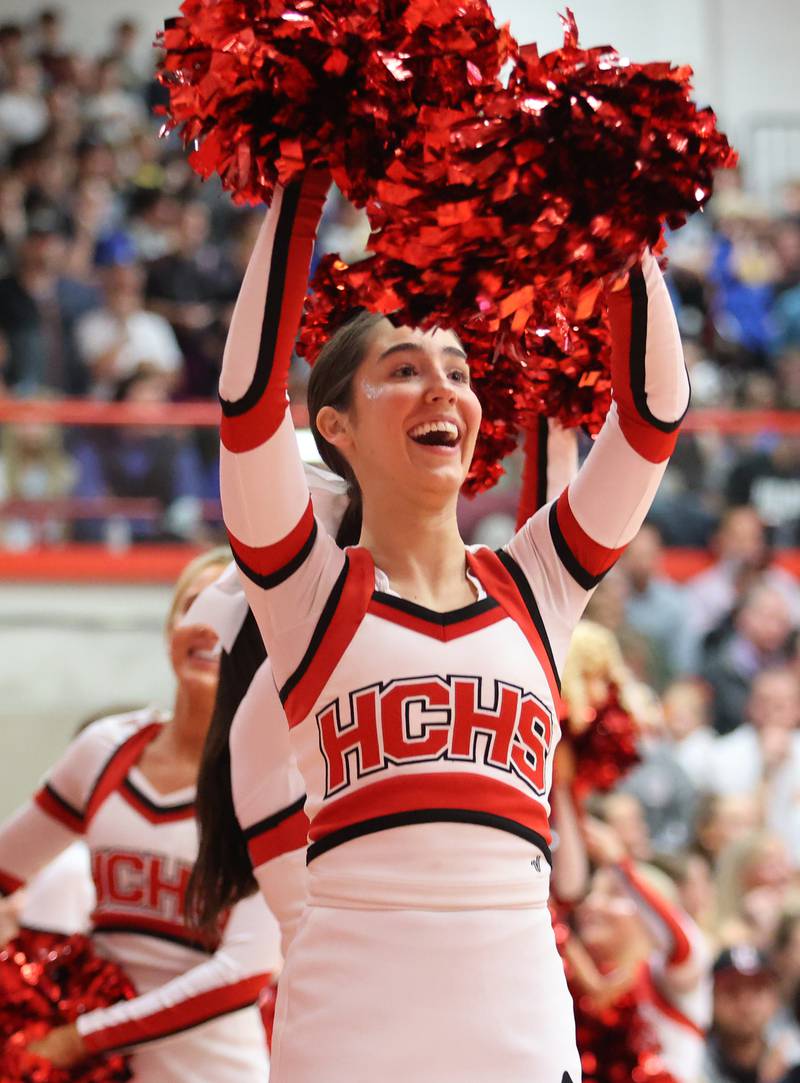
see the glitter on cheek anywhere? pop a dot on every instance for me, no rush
(373, 391)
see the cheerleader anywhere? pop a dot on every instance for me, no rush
(127, 786)
(420, 678)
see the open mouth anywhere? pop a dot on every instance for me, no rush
(436, 434)
(211, 656)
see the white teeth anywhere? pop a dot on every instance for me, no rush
(209, 656)
(435, 426)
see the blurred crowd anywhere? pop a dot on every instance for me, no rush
(119, 269)
(118, 273)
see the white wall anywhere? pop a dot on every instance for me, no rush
(68, 652)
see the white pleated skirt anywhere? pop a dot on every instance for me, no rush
(420, 996)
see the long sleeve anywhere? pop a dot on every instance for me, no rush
(269, 798)
(288, 566)
(566, 548)
(230, 980)
(55, 817)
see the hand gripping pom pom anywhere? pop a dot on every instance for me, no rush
(262, 89)
(46, 981)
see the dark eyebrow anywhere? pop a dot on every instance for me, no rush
(402, 347)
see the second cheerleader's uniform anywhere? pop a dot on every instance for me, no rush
(195, 1018)
(425, 740)
(674, 990)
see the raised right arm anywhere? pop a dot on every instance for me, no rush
(288, 566)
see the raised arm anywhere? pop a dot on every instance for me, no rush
(288, 566)
(566, 548)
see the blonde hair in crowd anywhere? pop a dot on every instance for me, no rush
(593, 653)
(220, 554)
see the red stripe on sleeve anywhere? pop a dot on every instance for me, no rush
(243, 432)
(594, 558)
(662, 911)
(189, 1013)
(8, 883)
(269, 559)
(290, 834)
(55, 806)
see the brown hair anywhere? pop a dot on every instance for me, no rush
(331, 384)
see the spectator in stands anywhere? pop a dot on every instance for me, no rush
(122, 337)
(754, 887)
(762, 757)
(742, 557)
(745, 1001)
(124, 45)
(722, 819)
(759, 638)
(34, 466)
(39, 308)
(624, 814)
(192, 288)
(23, 111)
(159, 466)
(114, 115)
(48, 46)
(686, 704)
(654, 605)
(691, 873)
(785, 960)
(769, 480)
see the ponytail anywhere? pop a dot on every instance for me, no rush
(223, 874)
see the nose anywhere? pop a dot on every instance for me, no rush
(438, 387)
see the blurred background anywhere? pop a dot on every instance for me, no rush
(118, 273)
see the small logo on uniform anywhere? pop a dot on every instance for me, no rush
(537, 863)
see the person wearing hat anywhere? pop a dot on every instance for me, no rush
(745, 998)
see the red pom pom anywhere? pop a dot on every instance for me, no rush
(502, 222)
(264, 88)
(47, 981)
(605, 750)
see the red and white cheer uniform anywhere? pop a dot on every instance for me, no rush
(195, 1019)
(425, 739)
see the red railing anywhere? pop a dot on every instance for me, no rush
(161, 563)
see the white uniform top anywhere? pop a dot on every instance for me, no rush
(197, 995)
(426, 739)
(674, 991)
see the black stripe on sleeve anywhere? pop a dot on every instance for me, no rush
(274, 579)
(524, 588)
(582, 577)
(638, 350)
(290, 201)
(325, 618)
(426, 816)
(542, 434)
(269, 823)
(62, 801)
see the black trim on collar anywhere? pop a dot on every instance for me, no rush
(426, 816)
(638, 348)
(524, 588)
(274, 579)
(452, 616)
(157, 810)
(325, 618)
(581, 576)
(272, 306)
(275, 820)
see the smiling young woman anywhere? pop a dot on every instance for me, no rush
(126, 784)
(420, 677)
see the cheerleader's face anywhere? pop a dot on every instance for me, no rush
(194, 649)
(607, 919)
(414, 417)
